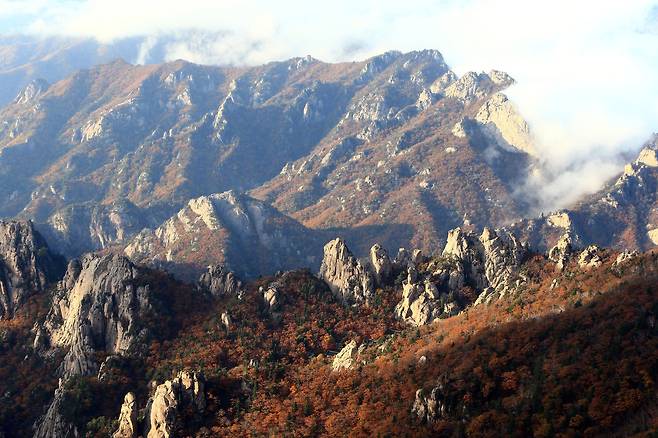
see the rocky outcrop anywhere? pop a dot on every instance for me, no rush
(348, 279)
(590, 257)
(127, 418)
(32, 91)
(473, 86)
(98, 306)
(171, 399)
(504, 126)
(271, 297)
(430, 406)
(562, 251)
(381, 263)
(219, 281)
(347, 357)
(487, 263)
(26, 265)
(625, 257)
(423, 303)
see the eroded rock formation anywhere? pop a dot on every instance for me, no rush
(170, 400)
(98, 306)
(26, 265)
(348, 279)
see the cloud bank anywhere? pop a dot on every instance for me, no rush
(587, 71)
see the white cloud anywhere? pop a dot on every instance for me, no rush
(587, 70)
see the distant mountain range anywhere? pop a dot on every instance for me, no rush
(396, 149)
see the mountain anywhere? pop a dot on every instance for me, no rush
(623, 214)
(395, 149)
(248, 236)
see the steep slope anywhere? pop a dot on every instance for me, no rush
(396, 146)
(26, 265)
(415, 170)
(248, 236)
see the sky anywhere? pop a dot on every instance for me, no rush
(586, 71)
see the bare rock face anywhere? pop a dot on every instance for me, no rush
(347, 278)
(127, 418)
(422, 302)
(97, 307)
(381, 263)
(562, 251)
(53, 424)
(219, 281)
(184, 392)
(504, 126)
(625, 257)
(26, 265)
(590, 257)
(347, 357)
(487, 263)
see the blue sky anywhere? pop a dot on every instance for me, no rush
(587, 71)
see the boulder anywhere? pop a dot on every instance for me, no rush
(347, 357)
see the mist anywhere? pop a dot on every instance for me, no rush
(586, 71)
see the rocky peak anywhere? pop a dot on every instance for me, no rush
(348, 279)
(474, 86)
(81, 228)
(26, 265)
(98, 306)
(226, 228)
